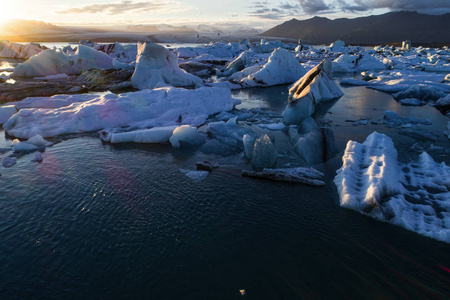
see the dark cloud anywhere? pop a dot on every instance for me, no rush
(116, 8)
(264, 10)
(313, 6)
(425, 6)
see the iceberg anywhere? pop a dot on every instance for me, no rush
(16, 50)
(348, 63)
(8, 162)
(6, 112)
(186, 135)
(314, 87)
(282, 67)
(312, 144)
(157, 67)
(142, 109)
(414, 196)
(264, 154)
(240, 63)
(53, 62)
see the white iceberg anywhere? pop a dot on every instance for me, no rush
(156, 67)
(53, 62)
(281, 68)
(348, 63)
(314, 87)
(142, 109)
(371, 181)
(186, 135)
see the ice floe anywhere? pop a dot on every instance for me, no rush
(52, 62)
(414, 196)
(142, 109)
(308, 176)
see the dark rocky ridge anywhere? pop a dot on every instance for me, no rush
(392, 27)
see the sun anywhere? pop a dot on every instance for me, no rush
(7, 13)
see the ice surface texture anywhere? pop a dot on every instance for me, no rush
(281, 68)
(142, 109)
(414, 196)
(156, 67)
(314, 87)
(52, 62)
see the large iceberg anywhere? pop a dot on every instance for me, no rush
(414, 196)
(142, 109)
(52, 62)
(314, 87)
(156, 67)
(281, 68)
(16, 50)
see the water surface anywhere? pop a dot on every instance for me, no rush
(100, 221)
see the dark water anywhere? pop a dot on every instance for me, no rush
(95, 221)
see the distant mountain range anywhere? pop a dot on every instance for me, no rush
(392, 27)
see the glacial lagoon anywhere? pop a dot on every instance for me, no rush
(97, 220)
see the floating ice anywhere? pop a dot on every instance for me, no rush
(281, 68)
(308, 176)
(6, 112)
(393, 119)
(156, 66)
(155, 135)
(312, 144)
(8, 162)
(186, 135)
(52, 62)
(142, 109)
(348, 63)
(241, 62)
(314, 87)
(264, 153)
(16, 50)
(34, 143)
(371, 181)
(195, 175)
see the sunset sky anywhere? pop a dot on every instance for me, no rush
(254, 13)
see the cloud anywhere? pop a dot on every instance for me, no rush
(425, 6)
(118, 7)
(262, 10)
(313, 6)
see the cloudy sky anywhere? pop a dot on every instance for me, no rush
(262, 14)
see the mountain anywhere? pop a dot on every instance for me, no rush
(25, 27)
(391, 27)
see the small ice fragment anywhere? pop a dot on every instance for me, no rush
(264, 153)
(187, 135)
(38, 157)
(8, 162)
